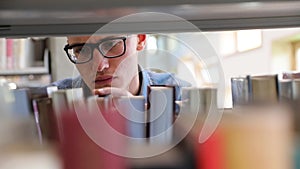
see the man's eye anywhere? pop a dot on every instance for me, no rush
(111, 45)
(108, 45)
(81, 50)
(77, 50)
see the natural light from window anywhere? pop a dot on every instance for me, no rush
(248, 39)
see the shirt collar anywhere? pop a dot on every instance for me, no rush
(145, 82)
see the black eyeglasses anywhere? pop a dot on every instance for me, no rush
(83, 52)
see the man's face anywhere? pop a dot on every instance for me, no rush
(120, 72)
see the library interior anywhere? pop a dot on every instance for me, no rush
(140, 84)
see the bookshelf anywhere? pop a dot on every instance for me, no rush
(52, 18)
(25, 61)
(23, 56)
(35, 18)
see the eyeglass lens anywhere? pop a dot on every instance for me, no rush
(109, 48)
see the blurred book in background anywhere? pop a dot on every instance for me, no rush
(19, 144)
(2, 53)
(264, 89)
(240, 91)
(285, 90)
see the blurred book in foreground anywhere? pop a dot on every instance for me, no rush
(82, 125)
(257, 137)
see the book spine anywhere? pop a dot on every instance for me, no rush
(37, 120)
(296, 89)
(240, 91)
(190, 101)
(199, 100)
(22, 104)
(133, 109)
(104, 124)
(17, 53)
(285, 90)
(161, 114)
(9, 53)
(3, 53)
(264, 89)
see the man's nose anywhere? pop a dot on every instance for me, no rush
(100, 61)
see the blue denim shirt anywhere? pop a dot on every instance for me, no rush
(148, 78)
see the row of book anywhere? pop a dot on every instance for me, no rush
(20, 53)
(66, 118)
(134, 132)
(263, 89)
(268, 89)
(19, 144)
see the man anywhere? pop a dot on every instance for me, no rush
(108, 64)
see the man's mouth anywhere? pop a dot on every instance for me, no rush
(104, 80)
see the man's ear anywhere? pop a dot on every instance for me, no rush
(141, 42)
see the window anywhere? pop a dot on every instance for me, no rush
(232, 42)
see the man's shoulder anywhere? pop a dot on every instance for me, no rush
(68, 83)
(166, 79)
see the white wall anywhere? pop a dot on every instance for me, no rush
(60, 65)
(257, 61)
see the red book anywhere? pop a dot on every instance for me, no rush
(79, 134)
(210, 154)
(9, 53)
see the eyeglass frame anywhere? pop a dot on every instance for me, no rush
(94, 46)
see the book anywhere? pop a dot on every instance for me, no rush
(7, 100)
(133, 109)
(198, 100)
(45, 120)
(2, 54)
(240, 91)
(22, 102)
(260, 134)
(296, 89)
(290, 75)
(190, 101)
(264, 89)
(63, 102)
(110, 113)
(9, 53)
(85, 137)
(107, 128)
(23, 52)
(17, 53)
(160, 116)
(209, 97)
(82, 130)
(63, 99)
(285, 90)
(50, 90)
